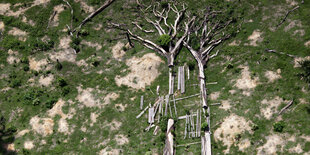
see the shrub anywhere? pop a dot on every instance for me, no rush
(26, 68)
(58, 66)
(204, 126)
(61, 82)
(164, 40)
(278, 126)
(65, 91)
(305, 67)
(15, 83)
(50, 103)
(24, 60)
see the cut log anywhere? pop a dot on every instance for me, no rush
(188, 73)
(157, 90)
(142, 112)
(171, 81)
(151, 114)
(182, 80)
(175, 108)
(206, 144)
(141, 103)
(156, 130)
(149, 127)
(179, 78)
(166, 104)
(168, 150)
(185, 131)
(177, 99)
(182, 145)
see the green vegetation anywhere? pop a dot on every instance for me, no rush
(278, 126)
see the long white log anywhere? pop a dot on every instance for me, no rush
(142, 112)
(169, 142)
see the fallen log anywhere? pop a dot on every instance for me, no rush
(177, 99)
(181, 145)
(142, 112)
(274, 51)
(168, 150)
(286, 15)
(92, 15)
(286, 107)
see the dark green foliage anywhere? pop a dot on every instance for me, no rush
(50, 103)
(61, 82)
(307, 147)
(163, 123)
(26, 68)
(204, 126)
(24, 60)
(164, 40)
(15, 83)
(65, 90)
(191, 65)
(58, 66)
(278, 126)
(84, 32)
(32, 96)
(164, 4)
(305, 67)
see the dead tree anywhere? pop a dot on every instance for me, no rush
(164, 29)
(204, 35)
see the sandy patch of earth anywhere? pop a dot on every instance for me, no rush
(255, 38)
(46, 81)
(270, 107)
(117, 50)
(22, 133)
(13, 57)
(143, 71)
(86, 97)
(38, 65)
(97, 27)
(292, 24)
(272, 76)
(1, 26)
(42, 126)
(275, 143)
(232, 126)
(5, 8)
(90, 44)
(114, 125)
(307, 44)
(93, 118)
(246, 81)
(235, 43)
(215, 95)
(225, 105)
(30, 22)
(291, 2)
(244, 144)
(296, 149)
(22, 35)
(10, 147)
(85, 6)
(121, 139)
(110, 151)
(300, 59)
(28, 145)
(109, 97)
(120, 107)
(66, 53)
(55, 20)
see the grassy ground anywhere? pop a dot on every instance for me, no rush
(34, 100)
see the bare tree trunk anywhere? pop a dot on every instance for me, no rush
(170, 58)
(203, 89)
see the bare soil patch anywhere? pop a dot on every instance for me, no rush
(55, 20)
(307, 44)
(275, 143)
(66, 53)
(235, 43)
(225, 105)
(13, 57)
(292, 24)
(117, 50)
(22, 35)
(143, 71)
(110, 151)
(38, 65)
(114, 125)
(42, 126)
(121, 139)
(255, 38)
(22, 133)
(1, 26)
(215, 95)
(270, 107)
(120, 107)
(246, 82)
(85, 6)
(93, 118)
(272, 76)
(28, 145)
(244, 144)
(86, 97)
(93, 45)
(232, 126)
(300, 59)
(46, 81)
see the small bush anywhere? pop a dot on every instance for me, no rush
(204, 126)
(61, 82)
(26, 68)
(65, 91)
(24, 60)
(50, 103)
(58, 66)
(15, 83)
(164, 40)
(278, 126)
